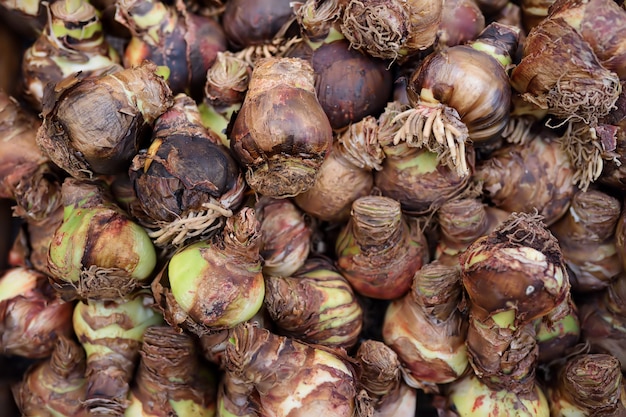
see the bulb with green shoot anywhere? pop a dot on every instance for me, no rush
(214, 284)
(82, 259)
(111, 332)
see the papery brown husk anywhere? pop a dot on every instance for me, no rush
(382, 379)
(613, 170)
(38, 238)
(281, 134)
(380, 367)
(379, 250)
(20, 154)
(599, 22)
(590, 383)
(560, 73)
(26, 172)
(337, 186)
(586, 236)
(536, 175)
(236, 396)
(282, 370)
(169, 371)
(620, 236)
(32, 322)
(185, 175)
(226, 81)
(517, 266)
(316, 305)
(502, 358)
(214, 344)
(91, 125)
(56, 385)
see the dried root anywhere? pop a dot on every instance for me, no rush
(586, 153)
(99, 283)
(378, 29)
(583, 100)
(278, 47)
(193, 224)
(517, 130)
(438, 128)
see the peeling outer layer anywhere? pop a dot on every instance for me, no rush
(599, 22)
(346, 173)
(111, 334)
(614, 171)
(215, 284)
(461, 222)
(586, 236)
(226, 81)
(32, 317)
(391, 29)
(25, 172)
(281, 135)
(81, 259)
(56, 386)
(539, 176)
(186, 182)
(559, 72)
(236, 397)
(291, 378)
(382, 379)
(94, 125)
(316, 305)
(379, 250)
(426, 329)
(319, 22)
(588, 384)
(380, 368)
(186, 43)
(503, 358)
(170, 379)
(518, 267)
